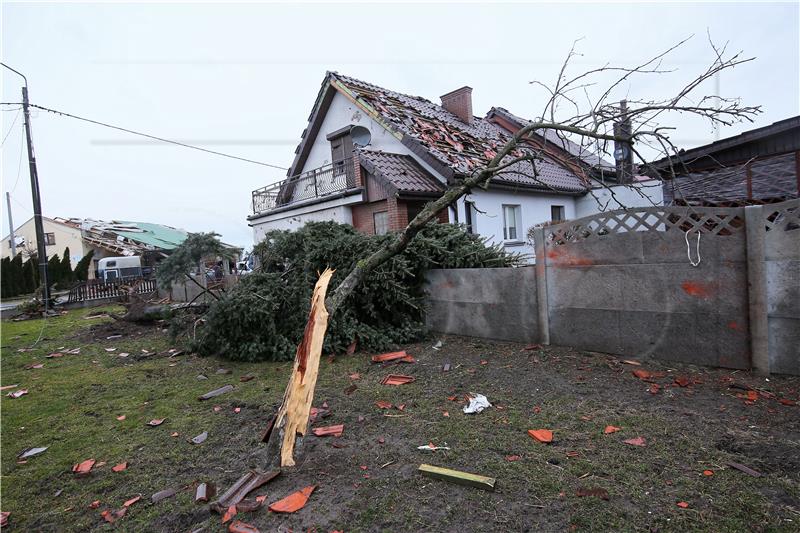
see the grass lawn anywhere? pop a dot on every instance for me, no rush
(367, 479)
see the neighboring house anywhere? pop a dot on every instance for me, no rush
(152, 242)
(756, 167)
(106, 239)
(58, 236)
(373, 158)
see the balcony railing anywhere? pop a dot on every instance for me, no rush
(317, 183)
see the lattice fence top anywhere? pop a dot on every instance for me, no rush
(784, 216)
(721, 221)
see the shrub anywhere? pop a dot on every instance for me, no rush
(263, 317)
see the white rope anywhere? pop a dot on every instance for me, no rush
(689, 249)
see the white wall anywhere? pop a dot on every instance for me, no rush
(341, 113)
(639, 194)
(534, 207)
(65, 236)
(334, 210)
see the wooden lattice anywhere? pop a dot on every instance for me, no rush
(784, 216)
(720, 221)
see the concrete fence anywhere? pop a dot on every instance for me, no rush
(711, 286)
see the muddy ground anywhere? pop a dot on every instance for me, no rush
(367, 479)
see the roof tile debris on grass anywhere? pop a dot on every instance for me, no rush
(329, 431)
(293, 502)
(397, 379)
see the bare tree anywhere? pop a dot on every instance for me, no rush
(591, 122)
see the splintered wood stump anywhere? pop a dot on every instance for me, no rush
(293, 414)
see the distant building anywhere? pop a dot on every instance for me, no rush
(107, 239)
(759, 166)
(58, 236)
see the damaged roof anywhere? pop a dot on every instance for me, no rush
(441, 139)
(577, 151)
(127, 238)
(401, 173)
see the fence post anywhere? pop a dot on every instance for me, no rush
(541, 286)
(755, 232)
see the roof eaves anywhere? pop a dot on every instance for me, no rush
(698, 152)
(375, 171)
(321, 104)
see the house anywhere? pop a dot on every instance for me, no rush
(58, 236)
(373, 158)
(759, 166)
(106, 239)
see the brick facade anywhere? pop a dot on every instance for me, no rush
(398, 211)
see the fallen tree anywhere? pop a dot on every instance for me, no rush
(264, 315)
(602, 123)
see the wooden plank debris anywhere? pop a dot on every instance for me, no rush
(215, 392)
(458, 477)
(746, 469)
(246, 484)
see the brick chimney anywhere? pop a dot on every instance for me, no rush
(459, 102)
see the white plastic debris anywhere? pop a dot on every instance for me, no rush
(431, 448)
(477, 403)
(437, 346)
(31, 452)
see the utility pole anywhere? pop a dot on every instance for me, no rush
(37, 202)
(622, 149)
(13, 240)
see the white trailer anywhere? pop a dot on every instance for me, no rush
(114, 268)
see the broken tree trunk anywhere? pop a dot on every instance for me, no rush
(292, 417)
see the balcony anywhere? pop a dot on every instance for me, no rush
(318, 183)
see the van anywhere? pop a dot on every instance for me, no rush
(119, 268)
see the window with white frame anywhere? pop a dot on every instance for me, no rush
(512, 221)
(381, 221)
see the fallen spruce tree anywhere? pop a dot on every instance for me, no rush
(263, 317)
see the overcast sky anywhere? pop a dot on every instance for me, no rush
(242, 78)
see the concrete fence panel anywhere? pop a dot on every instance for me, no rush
(493, 303)
(782, 257)
(638, 282)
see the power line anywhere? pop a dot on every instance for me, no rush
(154, 137)
(10, 129)
(19, 165)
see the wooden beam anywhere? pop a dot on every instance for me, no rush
(455, 476)
(292, 417)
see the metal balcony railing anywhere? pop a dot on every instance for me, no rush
(317, 183)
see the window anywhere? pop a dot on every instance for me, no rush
(469, 216)
(557, 213)
(341, 150)
(511, 222)
(49, 239)
(381, 220)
